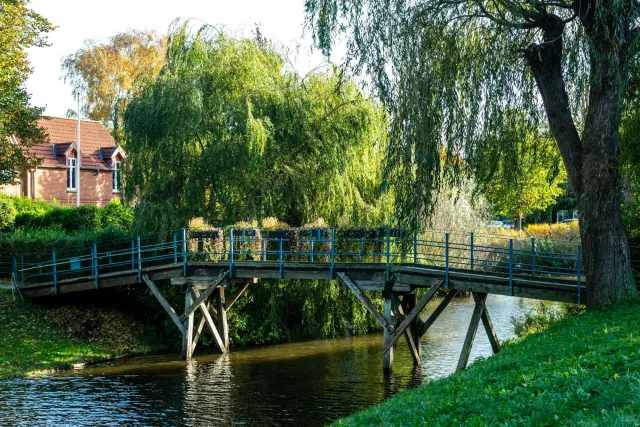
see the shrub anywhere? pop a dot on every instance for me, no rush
(7, 213)
(116, 215)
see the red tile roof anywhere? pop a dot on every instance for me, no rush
(63, 132)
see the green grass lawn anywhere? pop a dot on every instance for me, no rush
(36, 339)
(583, 370)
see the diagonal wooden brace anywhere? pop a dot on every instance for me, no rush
(412, 315)
(366, 301)
(413, 349)
(243, 287)
(481, 298)
(479, 313)
(436, 313)
(193, 307)
(163, 302)
(209, 321)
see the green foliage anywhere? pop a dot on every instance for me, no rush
(38, 215)
(542, 316)
(226, 132)
(7, 213)
(521, 170)
(583, 370)
(20, 29)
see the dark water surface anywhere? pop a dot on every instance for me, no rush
(301, 384)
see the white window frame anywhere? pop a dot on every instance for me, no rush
(117, 177)
(72, 174)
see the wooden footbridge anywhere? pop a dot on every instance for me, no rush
(408, 269)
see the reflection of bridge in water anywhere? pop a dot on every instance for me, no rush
(390, 261)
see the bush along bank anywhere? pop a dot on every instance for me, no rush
(38, 339)
(583, 370)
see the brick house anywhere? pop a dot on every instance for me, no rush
(56, 176)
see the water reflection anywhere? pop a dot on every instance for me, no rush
(309, 383)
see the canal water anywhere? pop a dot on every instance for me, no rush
(301, 384)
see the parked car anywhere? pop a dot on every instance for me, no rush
(495, 224)
(564, 221)
(508, 224)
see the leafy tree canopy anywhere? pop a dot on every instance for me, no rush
(20, 29)
(227, 132)
(110, 73)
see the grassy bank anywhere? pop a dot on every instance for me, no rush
(580, 371)
(35, 339)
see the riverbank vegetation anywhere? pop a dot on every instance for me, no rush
(38, 339)
(582, 370)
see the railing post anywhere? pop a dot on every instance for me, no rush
(280, 256)
(55, 273)
(388, 252)
(579, 271)
(14, 267)
(362, 250)
(333, 250)
(133, 255)
(415, 246)
(175, 248)
(264, 247)
(22, 269)
(533, 256)
(184, 252)
(472, 260)
(311, 245)
(230, 252)
(95, 262)
(446, 260)
(511, 267)
(139, 260)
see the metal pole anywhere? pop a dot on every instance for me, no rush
(14, 267)
(264, 248)
(333, 250)
(388, 251)
(78, 159)
(415, 246)
(533, 257)
(22, 268)
(133, 255)
(472, 238)
(55, 275)
(579, 271)
(184, 252)
(175, 248)
(511, 267)
(139, 260)
(311, 245)
(95, 262)
(280, 257)
(446, 260)
(231, 252)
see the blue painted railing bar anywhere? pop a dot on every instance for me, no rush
(95, 263)
(184, 252)
(175, 248)
(280, 257)
(139, 259)
(471, 251)
(446, 257)
(579, 271)
(133, 255)
(388, 253)
(231, 253)
(55, 276)
(533, 256)
(511, 267)
(333, 250)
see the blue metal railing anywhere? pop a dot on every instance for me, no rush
(513, 257)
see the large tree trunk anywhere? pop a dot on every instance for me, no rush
(592, 164)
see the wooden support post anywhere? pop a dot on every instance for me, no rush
(412, 315)
(189, 310)
(471, 335)
(222, 318)
(163, 302)
(481, 298)
(206, 317)
(413, 349)
(187, 337)
(387, 355)
(413, 332)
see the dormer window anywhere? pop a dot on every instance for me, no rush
(71, 174)
(117, 177)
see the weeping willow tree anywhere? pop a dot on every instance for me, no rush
(447, 70)
(227, 132)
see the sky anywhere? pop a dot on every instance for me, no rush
(77, 21)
